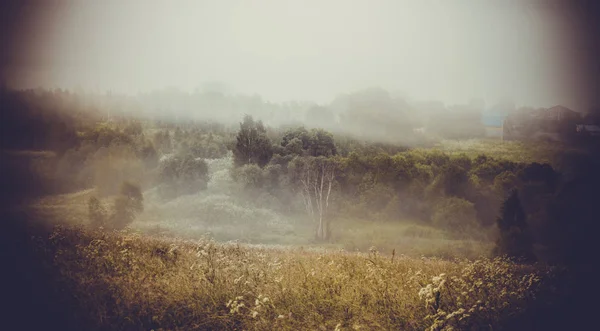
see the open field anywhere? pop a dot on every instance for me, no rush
(176, 267)
(127, 281)
(178, 220)
(133, 280)
(517, 151)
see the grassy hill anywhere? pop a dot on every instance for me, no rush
(126, 281)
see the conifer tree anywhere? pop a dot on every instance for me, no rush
(515, 240)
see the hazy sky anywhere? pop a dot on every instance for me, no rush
(447, 50)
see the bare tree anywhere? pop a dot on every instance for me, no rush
(316, 176)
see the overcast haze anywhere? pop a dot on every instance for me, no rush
(450, 51)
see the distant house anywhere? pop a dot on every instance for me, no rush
(591, 130)
(494, 125)
(559, 113)
(553, 124)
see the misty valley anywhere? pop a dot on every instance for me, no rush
(370, 213)
(299, 165)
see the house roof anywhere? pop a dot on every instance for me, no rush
(589, 128)
(559, 107)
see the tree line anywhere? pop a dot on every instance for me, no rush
(321, 173)
(529, 207)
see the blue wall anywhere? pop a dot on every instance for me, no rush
(492, 120)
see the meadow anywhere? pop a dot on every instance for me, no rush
(254, 269)
(127, 281)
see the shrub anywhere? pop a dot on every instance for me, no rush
(487, 168)
(128, 204)
(249, 175)
(454, 178)
(377, 197)
(294, 147)
(456, 215)
(182, 174)
(96, 212)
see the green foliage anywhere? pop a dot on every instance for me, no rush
(457, 216)
(202, 145)
(316, 142)
(300, 134)
(273, 175)
(249, 175)
(105, 135)
(376, 197)
(182, 174)
(454, 178)
(321, 143)
(294, 146)
(487, 168)
(505, 182)
(252, 144)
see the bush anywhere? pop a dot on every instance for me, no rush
(97, 213)
(249, 175)
(457, 216)
(128, 204)
(376, 197)
(182, 174)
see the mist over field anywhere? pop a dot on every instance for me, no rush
(337, 165)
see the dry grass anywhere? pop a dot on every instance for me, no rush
(410, 238)
(126, 281)
(68, 208)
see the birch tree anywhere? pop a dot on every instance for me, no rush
(315, 177)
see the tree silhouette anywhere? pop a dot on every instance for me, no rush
(252, 144)
(515, 239)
